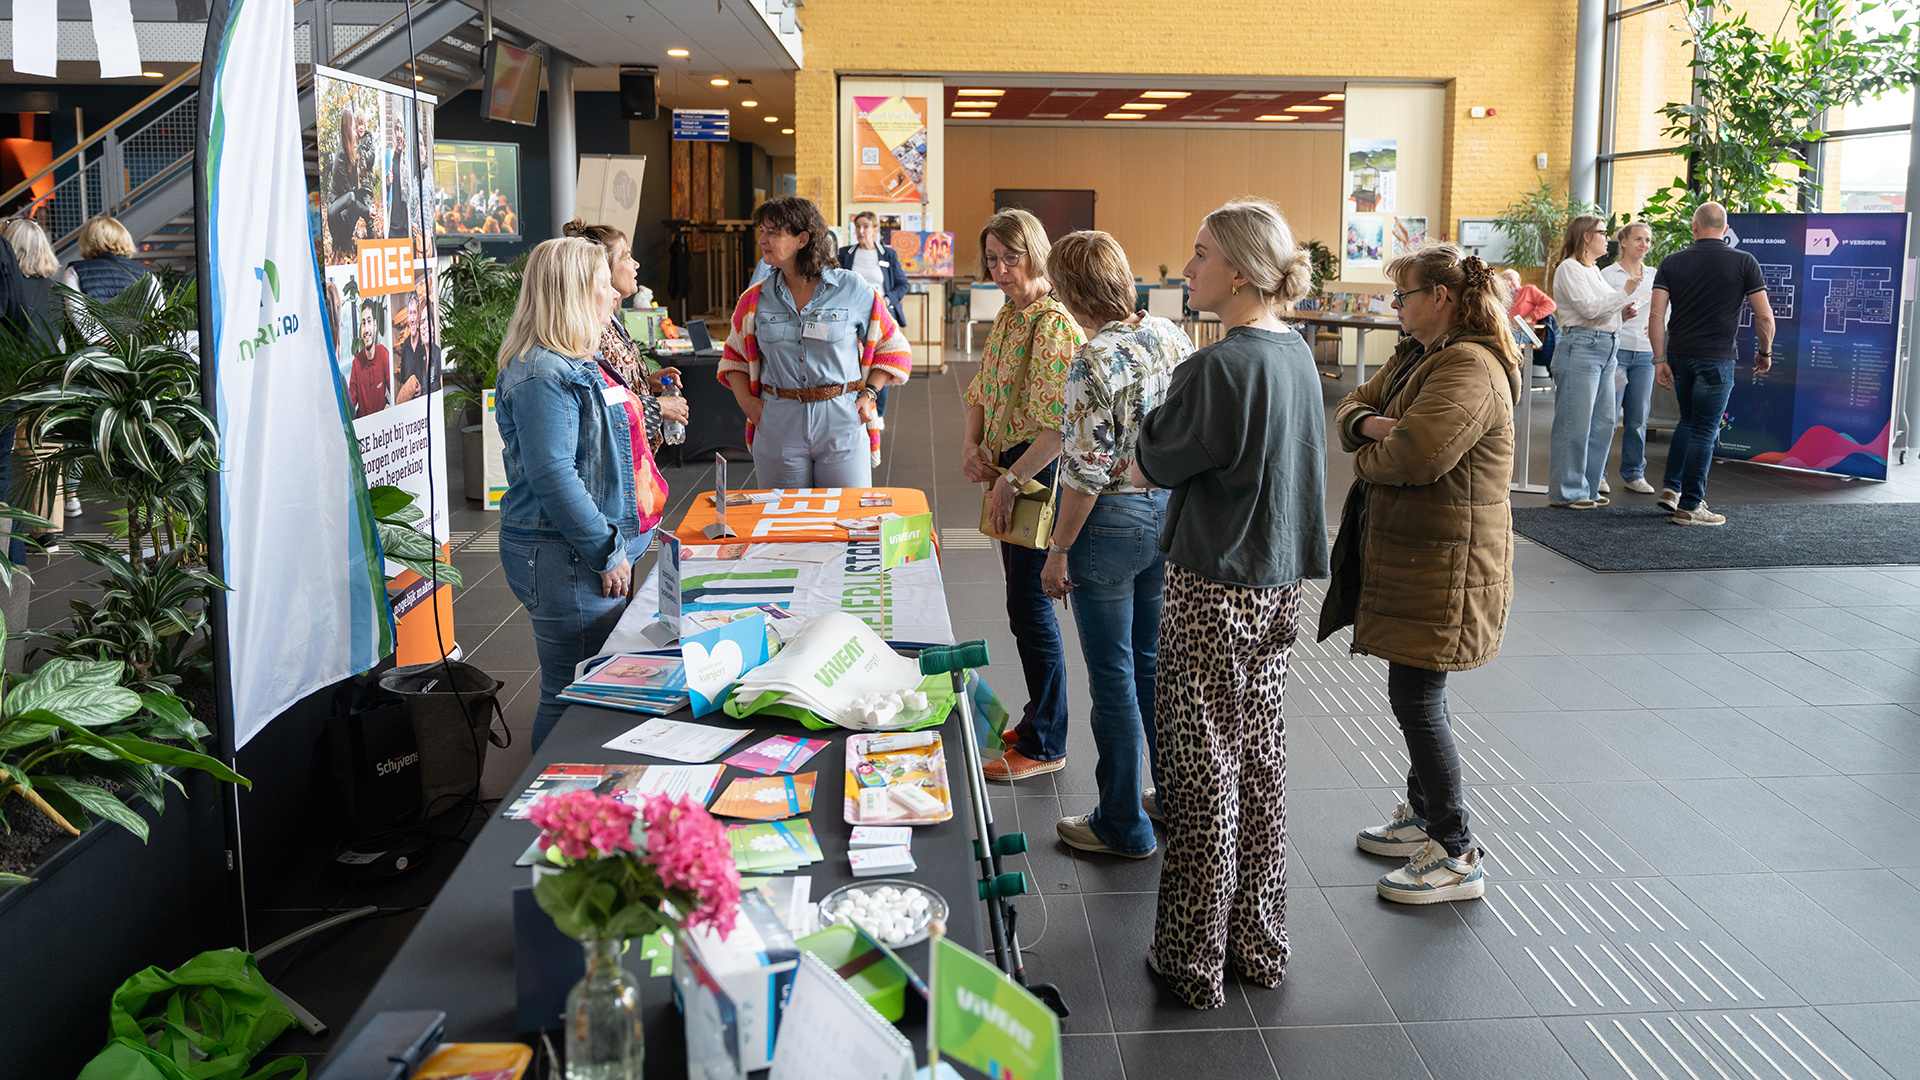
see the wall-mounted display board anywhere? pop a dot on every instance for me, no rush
(1059, 211)
(1836, 282)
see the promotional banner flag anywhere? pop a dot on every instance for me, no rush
(982, 1018)
(308, 605)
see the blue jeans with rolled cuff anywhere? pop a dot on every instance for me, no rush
(1042, 731)
(1582, 434)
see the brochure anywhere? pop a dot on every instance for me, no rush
(629, 783)
(767, 798)
(678, 740)
(780, 754)
(775, 847)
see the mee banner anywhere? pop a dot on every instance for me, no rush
(308, 605)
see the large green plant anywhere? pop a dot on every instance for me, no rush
(1760, 99)
(1535, 223)
(71, 724)
(1324, 263)
(149, 615)
(477, 296)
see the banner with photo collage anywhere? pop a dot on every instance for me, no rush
(376, 253)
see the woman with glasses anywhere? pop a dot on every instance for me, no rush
(809, 349)
(1423, 569)
(1240, 442)
(1590, 311)
(1015, 408)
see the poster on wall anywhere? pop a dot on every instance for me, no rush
(376, 158)
(924, 254)
(1366, 240)
(890, 149)
(1408, 233)
(1835, 283)
(300, 548)
(1371, 175)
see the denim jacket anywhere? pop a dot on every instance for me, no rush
(569, 457)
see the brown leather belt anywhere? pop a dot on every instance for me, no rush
(819, 393)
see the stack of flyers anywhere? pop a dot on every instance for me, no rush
(773, 848)
(678, 740)
(780, 754)
(767, 798)
(630, 783)
(633, 681)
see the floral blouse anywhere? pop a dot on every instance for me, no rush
(1015, 414)
(1116, 379)
(617, 348)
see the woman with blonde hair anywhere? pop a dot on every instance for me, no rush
(583, 493)
(1016, 406)
(1590, 311)
(1240, 440)
(39, 313)
(1424, 566)
(1107, 532)
(617, 347)
(1633, 393)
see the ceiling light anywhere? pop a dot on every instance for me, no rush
(770, 119)
(1254, 97)
(1309, 108)
(1206, 117)
(1047, 116)
(987, 103)
(749, 104)
(1333, 97)
(1126, 116)
(979, 93)
(1174, 95)
(1073, 93)
(678, 52)
(786, 131)
(1271, 116)
(967, 113)
(419, 78)
(154, 74)
(720, 82)
(1144, 105)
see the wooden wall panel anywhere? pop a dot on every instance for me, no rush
(1154, 184)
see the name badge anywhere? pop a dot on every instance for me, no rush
(613, 395)
(817, 331)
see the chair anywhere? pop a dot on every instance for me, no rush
(983, 305)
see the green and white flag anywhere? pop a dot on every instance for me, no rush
(984, 1019)
(308, 606)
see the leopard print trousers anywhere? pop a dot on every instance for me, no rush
(1223, 767)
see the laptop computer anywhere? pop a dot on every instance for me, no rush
(702, 342)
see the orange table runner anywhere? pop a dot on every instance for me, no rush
(803, 515)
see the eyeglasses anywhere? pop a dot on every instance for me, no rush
(1011, 259)
(1597, 232)
(1400, 297)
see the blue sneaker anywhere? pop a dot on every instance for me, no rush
(1402, 836)
(1432, 876)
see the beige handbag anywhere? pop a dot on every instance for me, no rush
(1033, 508)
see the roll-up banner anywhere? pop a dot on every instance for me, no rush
(298, 543)
(376, 253)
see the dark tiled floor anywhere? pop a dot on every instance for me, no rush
(1697, 790)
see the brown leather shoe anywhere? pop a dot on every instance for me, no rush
(1018, 766)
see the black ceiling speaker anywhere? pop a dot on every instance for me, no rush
(639, 93)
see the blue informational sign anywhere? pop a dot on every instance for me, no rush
(700, 125)
(1836, 282)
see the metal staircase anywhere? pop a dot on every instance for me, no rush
(139, 167)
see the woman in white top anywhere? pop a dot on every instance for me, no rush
(1583, 366)
(1633, 394)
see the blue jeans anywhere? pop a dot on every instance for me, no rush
(1703, 385)
(571, 620)
(1042, 731)
(1118, 570)
(1635, 401)
(1582, 414)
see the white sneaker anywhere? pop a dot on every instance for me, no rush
(1603, 486)
(1432, 876)
(1699, 515)
(1640, 486)
(73, 506)
(1404, 835)
(1150, 802)
(1669, 499)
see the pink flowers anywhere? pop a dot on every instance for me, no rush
(583, 824)
(687, 852)
(690, 850)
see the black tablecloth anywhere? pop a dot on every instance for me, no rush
(459, 958)
(714, 419)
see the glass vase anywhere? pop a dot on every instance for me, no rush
(604, 1037)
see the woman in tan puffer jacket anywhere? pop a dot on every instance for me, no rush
(1429, 526)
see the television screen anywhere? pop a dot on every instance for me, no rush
(1060, 211)
(476, 191)
(512, 88)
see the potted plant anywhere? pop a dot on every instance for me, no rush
(611, 878)
(1534, 224)
(477, 297)
(1324, 263)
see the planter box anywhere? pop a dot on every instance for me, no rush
(104, 907)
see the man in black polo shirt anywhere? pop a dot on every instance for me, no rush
(1693, 355)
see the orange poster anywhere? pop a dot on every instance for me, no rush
(890, 149)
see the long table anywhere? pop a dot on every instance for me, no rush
(459, 958)
(1362, 323)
